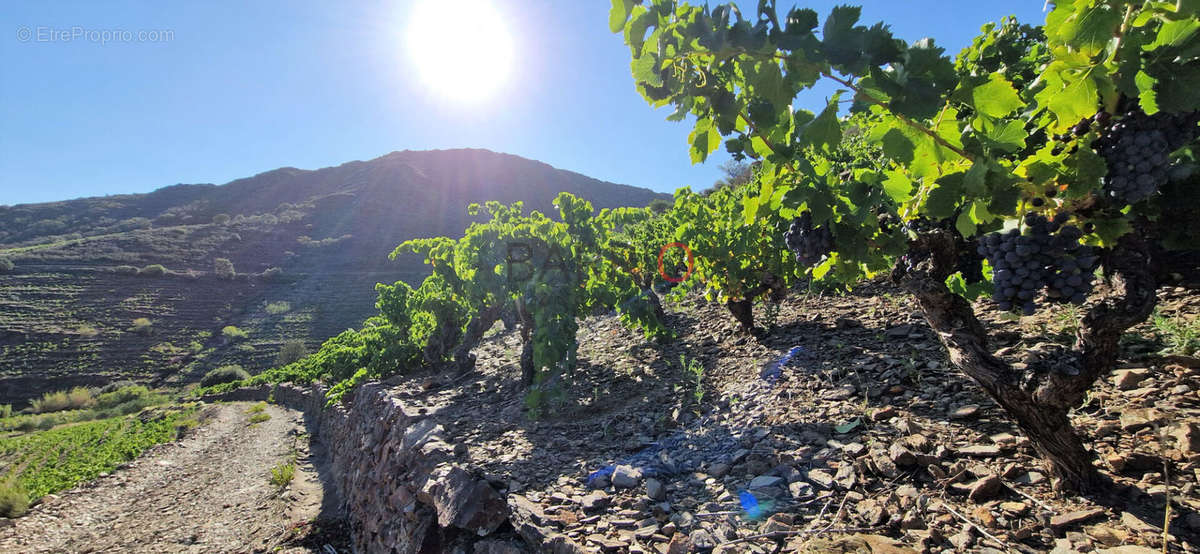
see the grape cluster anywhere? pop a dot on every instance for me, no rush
(1137, 147)
(1050, 256)
(809, 244)
(970, 261)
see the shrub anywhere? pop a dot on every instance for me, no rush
(224, 374)
(221, 219)
(282, 474)
(14, 501)
(231, 332)
(276, 308)
(272, 273)
(659, 206)
(116, 386)
(87, 331)
(1182, 337)
(125, 395)
(292, 351)
(125, 270)
(5, 411)
(155, 270)
(77, 398)
(223, 268)
(80, 398)
(6, 265)
(259, 418)
(142, 326)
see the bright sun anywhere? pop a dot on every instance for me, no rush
(462, 49)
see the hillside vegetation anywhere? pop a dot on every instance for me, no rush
(143, 286)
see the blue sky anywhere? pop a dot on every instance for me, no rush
(237, 88)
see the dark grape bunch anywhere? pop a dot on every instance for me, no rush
(1049, 256)
(807, 243)
(1137, 147)
(970, 261)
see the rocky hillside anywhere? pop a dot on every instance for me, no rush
(86, 303)
(866, 441)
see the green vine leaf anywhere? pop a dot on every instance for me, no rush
(997, 98)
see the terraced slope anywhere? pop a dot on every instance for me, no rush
(307, 248)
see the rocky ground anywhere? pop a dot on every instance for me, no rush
(207, 492)
(867, 442)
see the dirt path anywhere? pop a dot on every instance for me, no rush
(207, 492)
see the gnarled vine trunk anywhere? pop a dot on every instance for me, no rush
(743, 310)
(1039, 401)
(526, 320)
(479, 324)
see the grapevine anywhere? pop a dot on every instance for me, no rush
(1056, 152)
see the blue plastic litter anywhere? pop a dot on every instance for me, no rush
(750, 505)
(606, 471)
(773, 371)
(650, 461)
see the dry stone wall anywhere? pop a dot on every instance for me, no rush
(394, 472)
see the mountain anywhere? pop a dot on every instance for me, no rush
(307, 248)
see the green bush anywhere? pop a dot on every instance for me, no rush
(142, 326)
(291, 352)
(125, 270)
(14, 501)
(233, 333)
(87, 331)
(125, 401)
(259, 418)
(276, 308)
(5, 411)
(221, 219)
(224, 374)
(121, 396)
(155, 270)
(223, 268)
(6, 265)
(282, 474)
(1181, 336)
(659, 205)
(77, 398)
(272, 273)
(116, 386)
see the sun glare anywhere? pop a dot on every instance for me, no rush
(461, 49)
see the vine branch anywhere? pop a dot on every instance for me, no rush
(932, 134)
